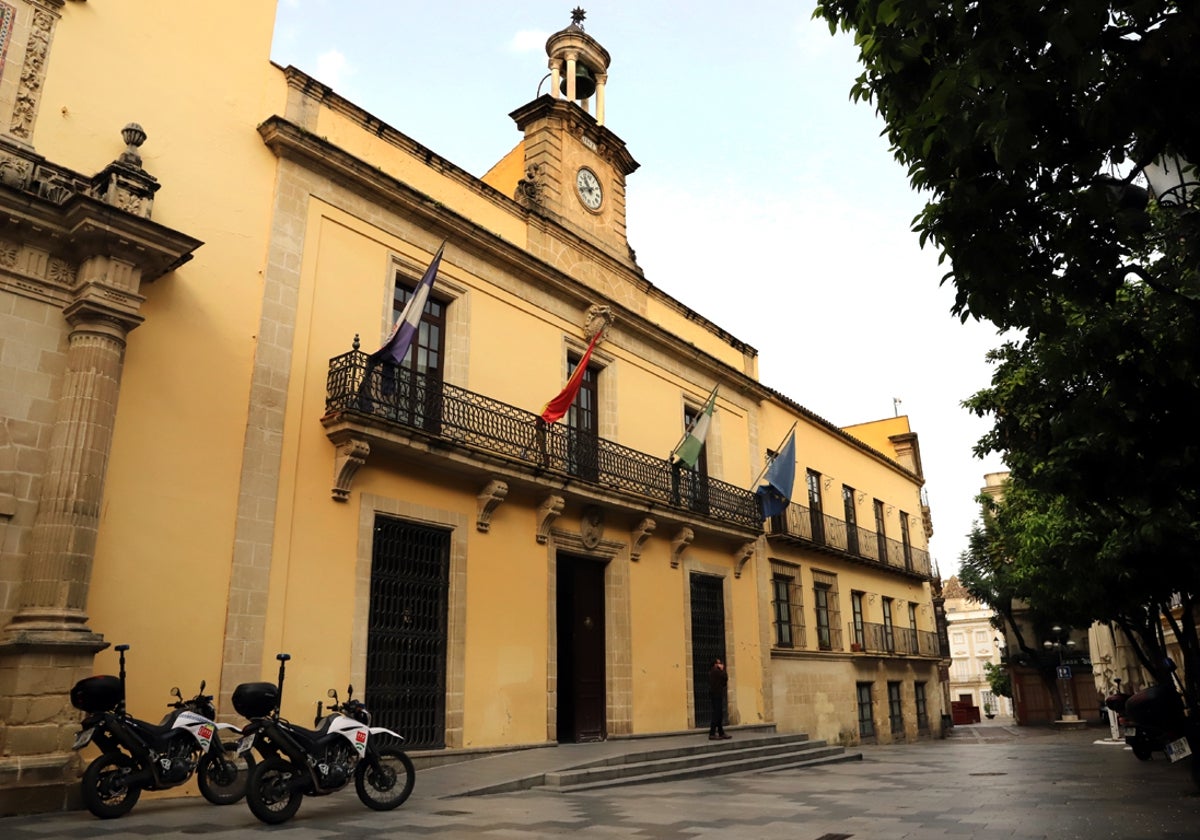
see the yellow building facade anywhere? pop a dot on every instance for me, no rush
(201, 458)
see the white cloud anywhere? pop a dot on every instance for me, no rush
(333, 69)
(528, 40)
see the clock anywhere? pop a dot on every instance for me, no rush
(588, 187)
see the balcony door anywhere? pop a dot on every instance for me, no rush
(815, 512)
(583, 424)
(691, 483)
(412, 390)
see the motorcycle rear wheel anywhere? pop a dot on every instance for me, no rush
(222, 775)
(269, 793)
(104, 788)
(384, 781)
(1141, 749)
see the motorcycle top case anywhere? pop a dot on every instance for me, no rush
(96, 694)
(256, 699)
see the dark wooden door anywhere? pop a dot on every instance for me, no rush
(708, 639)
(582, 694)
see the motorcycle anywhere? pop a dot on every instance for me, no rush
(1152, 720)
(138, 755)
(298, 762)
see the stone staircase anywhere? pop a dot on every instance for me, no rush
(745, 753)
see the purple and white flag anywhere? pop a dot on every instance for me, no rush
(396, 347)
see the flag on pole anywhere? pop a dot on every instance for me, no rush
(396, 347)
(690, 448)
(775, 491)
(558, 406)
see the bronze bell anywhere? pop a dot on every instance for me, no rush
(585, 82)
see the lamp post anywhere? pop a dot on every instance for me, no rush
(1062, 640)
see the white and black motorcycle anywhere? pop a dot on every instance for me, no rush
(138, 755)
(298, 762)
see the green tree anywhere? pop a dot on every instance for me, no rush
(1027, 124)
(999, 679)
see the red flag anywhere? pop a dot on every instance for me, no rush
(558, 406)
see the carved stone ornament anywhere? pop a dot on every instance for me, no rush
(490, 498)
(530, 188)
(741, 556)
(547, 512)
(351, 454)
(640, 534)
(598, 320)
(682, 540)
(591, 527)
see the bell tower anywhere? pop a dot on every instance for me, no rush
(575, 167)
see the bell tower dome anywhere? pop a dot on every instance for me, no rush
(578, 65)
(575, 167)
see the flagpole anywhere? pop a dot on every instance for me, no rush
(692, 425)
(770, 461)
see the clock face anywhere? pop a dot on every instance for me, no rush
(588, 186)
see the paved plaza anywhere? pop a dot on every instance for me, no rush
(984, 782)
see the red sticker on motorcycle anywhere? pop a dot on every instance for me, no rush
(206, 733)
(361, 736)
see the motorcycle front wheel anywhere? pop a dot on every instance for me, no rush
(105, 788)
(385, 780)
(222, 773)
(269, 791)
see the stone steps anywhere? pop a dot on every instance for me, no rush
(707, 758)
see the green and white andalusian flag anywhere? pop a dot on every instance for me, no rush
(693, 442)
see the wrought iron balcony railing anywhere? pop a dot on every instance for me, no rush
(807, 525)
(889, 639)
(425, 403)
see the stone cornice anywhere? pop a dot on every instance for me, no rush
(580, 123)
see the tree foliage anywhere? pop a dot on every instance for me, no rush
(1027, 123)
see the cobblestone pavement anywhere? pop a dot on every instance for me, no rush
(984, 782)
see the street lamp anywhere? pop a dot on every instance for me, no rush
(1172, 180)
(1062, 640)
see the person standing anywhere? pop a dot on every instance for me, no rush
(718, 683)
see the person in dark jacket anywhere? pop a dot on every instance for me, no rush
(718, 682)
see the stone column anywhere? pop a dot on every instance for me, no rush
(59, 565)
(48, 646)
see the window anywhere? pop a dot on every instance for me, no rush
(825, 602)
(583, 423)
(912, 615)
(690, 484)
(411, 392)
(889, 631)
(851, 519)
(785, 594)
(428, 346)
(880, 532)
(866, 712)
(815, 513)
(856, 607)
(922, 706)
(905, 541)
(895, 709)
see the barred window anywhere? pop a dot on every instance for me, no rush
(922, 710)
(787, 615)
(866, 711)
(895, 709)
(829, 614)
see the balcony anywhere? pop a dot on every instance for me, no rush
(890, 640)
(372, 407)
(803, 526)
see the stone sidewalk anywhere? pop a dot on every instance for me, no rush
(983, 782)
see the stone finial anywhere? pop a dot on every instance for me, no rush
(134, 136)
(577, 16)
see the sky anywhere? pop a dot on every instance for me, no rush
(766, 200)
